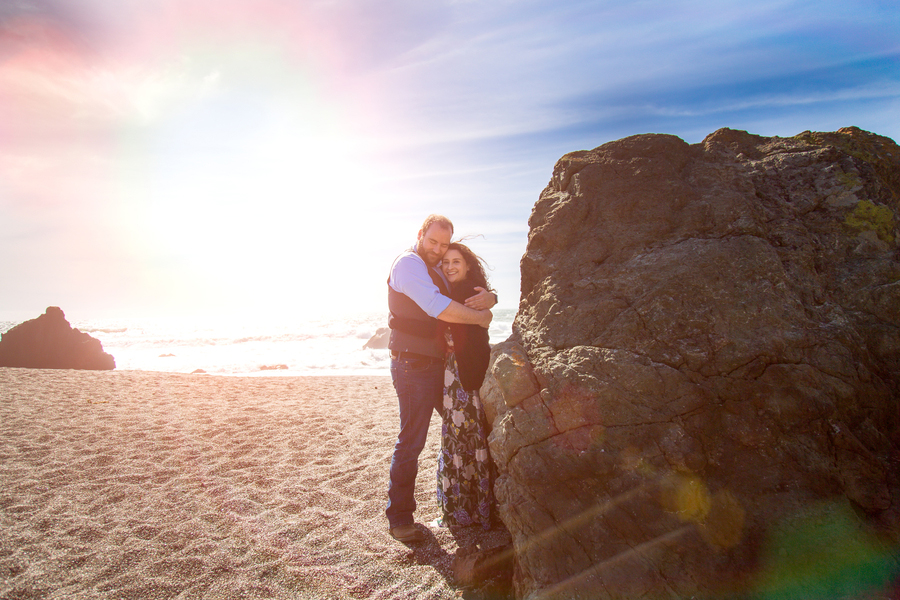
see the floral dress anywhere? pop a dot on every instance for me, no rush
(464, 486)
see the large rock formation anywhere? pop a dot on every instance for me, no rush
(49, 342)
(702, 383)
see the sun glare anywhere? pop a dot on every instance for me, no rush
(256, 197)
(241, 166)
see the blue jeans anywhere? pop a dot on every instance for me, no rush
(420, 390)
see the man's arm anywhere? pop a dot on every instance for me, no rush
(483, 300)
(409, 276)
(457, 313)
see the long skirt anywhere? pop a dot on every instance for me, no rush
(465, 480)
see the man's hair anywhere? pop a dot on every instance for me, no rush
(440, 220)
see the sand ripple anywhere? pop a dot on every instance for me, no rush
(146, 485)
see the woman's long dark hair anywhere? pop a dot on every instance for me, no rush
(475, 264)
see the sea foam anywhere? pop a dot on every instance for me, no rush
(321, 346)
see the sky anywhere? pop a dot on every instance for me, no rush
(250, 158)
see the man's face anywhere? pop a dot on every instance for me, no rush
(433, 243)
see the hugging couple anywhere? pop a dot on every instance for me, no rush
(440, 302)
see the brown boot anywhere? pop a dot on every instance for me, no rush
(407, 533)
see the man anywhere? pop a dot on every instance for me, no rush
(419, 301)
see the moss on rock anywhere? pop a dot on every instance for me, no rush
(867, 216)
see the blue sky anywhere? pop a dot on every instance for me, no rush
(262, 157)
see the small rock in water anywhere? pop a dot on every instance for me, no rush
(49, 342)
(380, 340)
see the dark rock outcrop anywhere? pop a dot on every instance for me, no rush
(705, 363)
(380, 340)
(487, 573)
(49, 342)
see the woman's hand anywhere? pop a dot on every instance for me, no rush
(483, 300)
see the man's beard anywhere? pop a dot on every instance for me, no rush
(428, 257)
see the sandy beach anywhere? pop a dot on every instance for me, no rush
(141, 485)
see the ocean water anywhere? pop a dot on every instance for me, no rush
(323, 346)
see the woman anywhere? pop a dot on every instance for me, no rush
(464, 467)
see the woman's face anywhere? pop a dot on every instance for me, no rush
(454, 266)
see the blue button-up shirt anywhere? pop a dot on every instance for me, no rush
(409, 276)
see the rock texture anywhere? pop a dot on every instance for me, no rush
(704, 365)
(487, 573)
(49, 342)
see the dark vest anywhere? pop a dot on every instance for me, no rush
(412, 330)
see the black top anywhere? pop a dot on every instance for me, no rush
(470, 343)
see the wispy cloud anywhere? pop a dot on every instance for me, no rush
(535, 69)
(207, 144)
